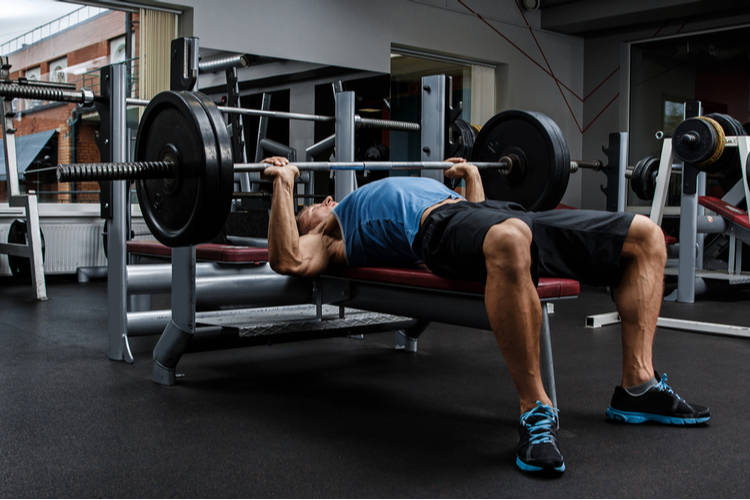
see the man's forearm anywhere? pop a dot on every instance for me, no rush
(283, 236)
(474, 187)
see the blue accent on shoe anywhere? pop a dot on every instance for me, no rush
(654, 405)
(630, 417)
(538, 440)
(534, 468)
(540, 432)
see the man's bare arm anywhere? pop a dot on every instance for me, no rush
(288, 253)
(470, 174)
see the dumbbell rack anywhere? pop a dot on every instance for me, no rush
(33, 247)
(689, 271)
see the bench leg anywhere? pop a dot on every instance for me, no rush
(181, 327)
(406, 340)
(545, 357)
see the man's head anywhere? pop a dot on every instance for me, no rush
(309, 217)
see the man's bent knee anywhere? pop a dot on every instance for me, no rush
(507, 247)
(645, 240)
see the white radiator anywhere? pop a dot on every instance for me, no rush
(69, 246)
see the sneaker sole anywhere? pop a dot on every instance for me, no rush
(535, 468)
(638, 418)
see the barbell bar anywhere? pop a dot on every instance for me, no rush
(81, 172)
(394, 125)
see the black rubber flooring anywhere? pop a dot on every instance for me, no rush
(352, 418)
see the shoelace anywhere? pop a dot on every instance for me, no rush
(662, 386)
(540, 431)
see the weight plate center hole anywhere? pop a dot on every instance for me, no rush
(171, 184)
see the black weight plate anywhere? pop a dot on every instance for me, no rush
(178, 211)
(463, 134)
(538, 141)
(562, 185)
(220, 183)
(636, 179)
(699, 151)
(461, 145)
(649, 173)
(21, 266)
(730, 159)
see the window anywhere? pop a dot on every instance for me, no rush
(117, 50)
(58, 70)
(34, 75)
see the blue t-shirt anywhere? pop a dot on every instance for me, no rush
(380, 220)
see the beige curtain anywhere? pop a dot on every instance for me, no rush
(158, 29)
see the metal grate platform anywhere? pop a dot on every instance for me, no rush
(302, 318)
(733, 279)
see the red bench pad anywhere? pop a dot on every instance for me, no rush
(548, 287)
(730, 212)
(419, 277)
(207, 251)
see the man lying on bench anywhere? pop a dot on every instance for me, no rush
(407, 219)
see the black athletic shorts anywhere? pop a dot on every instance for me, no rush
(584, 245)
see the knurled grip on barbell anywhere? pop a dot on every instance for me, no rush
(115, 171)
(82, 96)
(396, 126)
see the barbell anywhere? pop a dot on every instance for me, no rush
(184, 168)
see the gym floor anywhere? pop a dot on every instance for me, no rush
(352, 418)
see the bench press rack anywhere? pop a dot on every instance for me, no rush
(408, 308)
(32, 249)
(691, 277)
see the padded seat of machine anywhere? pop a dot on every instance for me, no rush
(207, 251)
(548, 288)
(726, 210)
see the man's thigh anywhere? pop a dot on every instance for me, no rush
(585, 245)
(453, 248)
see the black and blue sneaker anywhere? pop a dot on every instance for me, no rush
(658, 404)
(537, 449)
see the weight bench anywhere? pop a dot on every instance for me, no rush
(737, 228)
(398, 293)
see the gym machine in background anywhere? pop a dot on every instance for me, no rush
(706, 144)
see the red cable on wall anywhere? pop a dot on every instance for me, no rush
(548, 70)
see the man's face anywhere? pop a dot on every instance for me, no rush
(315, 215)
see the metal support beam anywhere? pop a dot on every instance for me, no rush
(114, 91)
(433, 122)
(346, 181)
